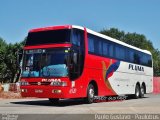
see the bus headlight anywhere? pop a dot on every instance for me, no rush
(23, 83)
(58, 83)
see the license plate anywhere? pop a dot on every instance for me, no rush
(38, 91)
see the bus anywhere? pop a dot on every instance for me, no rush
(69, 61)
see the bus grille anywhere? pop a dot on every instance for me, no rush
(39, 83)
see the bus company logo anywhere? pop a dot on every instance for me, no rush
(50, 80)
(136, 67)
(39, 83)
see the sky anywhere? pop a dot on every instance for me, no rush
(17, 17)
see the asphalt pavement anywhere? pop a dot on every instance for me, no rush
(150, 104)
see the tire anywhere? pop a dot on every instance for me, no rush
(90, 94)
(137, 92)
(142, 91)
(54, 100)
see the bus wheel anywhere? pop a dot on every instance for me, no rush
(54, 100)
(90, 94)
(142, 91)
(137, 92)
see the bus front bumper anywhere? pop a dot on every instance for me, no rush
(47, 92)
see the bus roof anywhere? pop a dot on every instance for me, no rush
(89, 31)
(51, 28)
(111, 39)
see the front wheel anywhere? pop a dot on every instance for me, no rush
(54, 100)
(90, 94)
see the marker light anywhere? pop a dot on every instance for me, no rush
(56, 91)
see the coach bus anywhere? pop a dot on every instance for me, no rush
(69, 61)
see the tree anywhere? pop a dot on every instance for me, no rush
(9, 69)
(114, 33)
(3, 66)
(11, 61)
(137, 40)
(156, 57)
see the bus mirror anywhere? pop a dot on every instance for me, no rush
(19, 57)
(75, 58)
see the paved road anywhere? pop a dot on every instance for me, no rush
(149, 104)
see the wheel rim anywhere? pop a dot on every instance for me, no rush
(137, 92)
(142, 90)
(91, 92)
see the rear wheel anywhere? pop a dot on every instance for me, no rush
(54, 100)
(137, 92)
(142, 91)
(90, 94)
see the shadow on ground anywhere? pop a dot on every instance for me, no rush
(70, 102)
(62, 103)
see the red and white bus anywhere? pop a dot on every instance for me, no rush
(75, 62)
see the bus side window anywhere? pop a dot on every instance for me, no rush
(120, 52)
(76, 37)
(131, 56)
(105, 49)
(77, 54)
(150, 61)
(91, 44)
(97, 46)
(136, 58)
(111, 50)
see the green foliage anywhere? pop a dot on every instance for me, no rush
(137, 40)
(3, 66)
(8, 61)
(156, 57)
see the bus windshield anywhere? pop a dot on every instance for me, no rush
(45, 63)
(48, 37)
